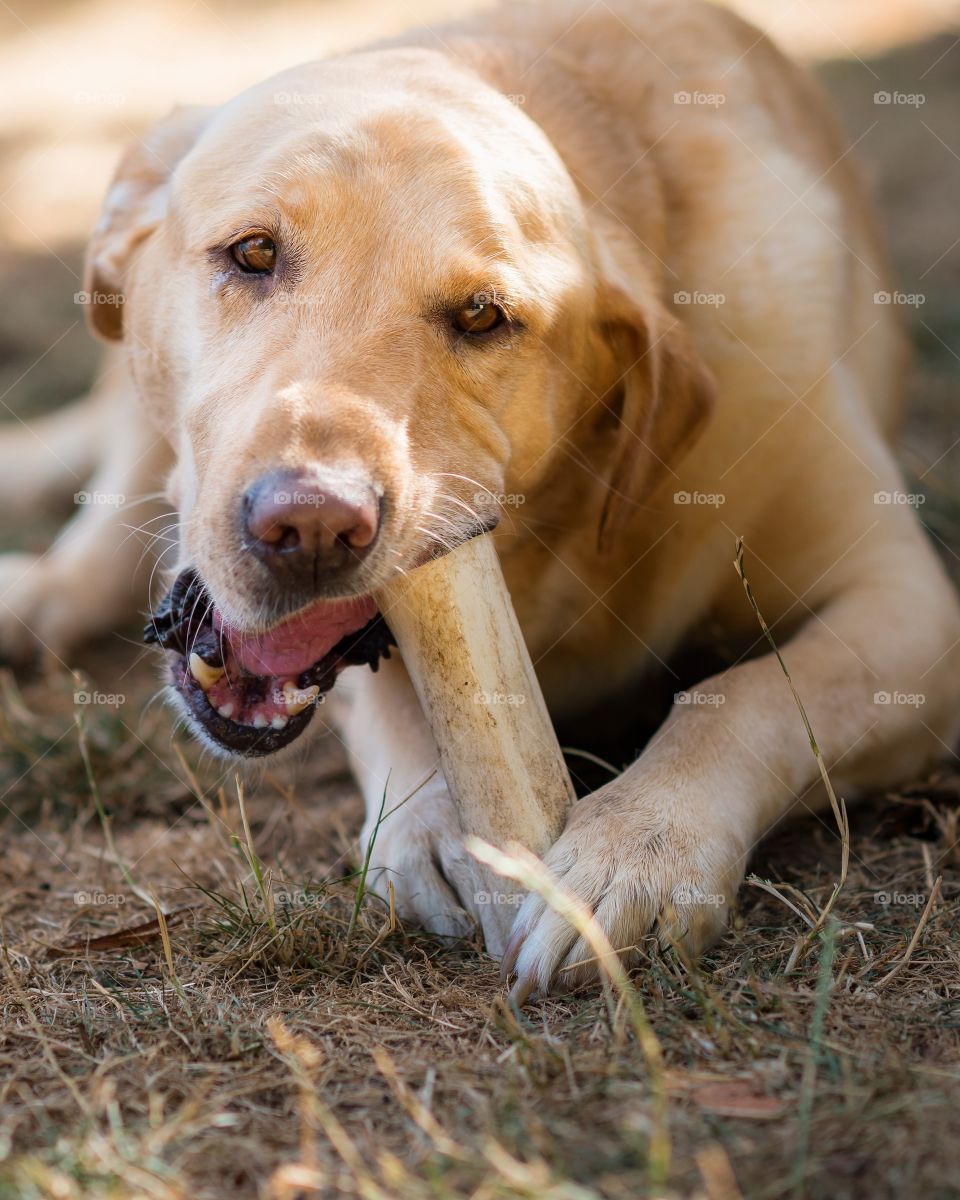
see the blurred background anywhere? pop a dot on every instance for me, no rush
(80, 79)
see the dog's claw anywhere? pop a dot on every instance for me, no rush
(522, 990)
(510, 954)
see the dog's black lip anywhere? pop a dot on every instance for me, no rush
(246, 740)
(365, 646)
(183, 624)
(177, 620)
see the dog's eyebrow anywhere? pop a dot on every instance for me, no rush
(226, 228)
(474, 291)
(449, 298)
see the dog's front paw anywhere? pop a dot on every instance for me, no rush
(436, 884)
(648, 865)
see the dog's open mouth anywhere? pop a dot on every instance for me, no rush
(253, 694)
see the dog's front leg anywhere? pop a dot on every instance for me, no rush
(662, 849)
(95, 574)
(418, 842)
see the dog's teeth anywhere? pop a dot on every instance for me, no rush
(278, 723)
(297, 699)
(203, 673)
(259, 721)
(225, 710)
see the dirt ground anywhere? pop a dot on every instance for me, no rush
(276, 1033)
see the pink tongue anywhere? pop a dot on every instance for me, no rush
(300, 640)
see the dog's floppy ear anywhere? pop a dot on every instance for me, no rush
(662, 397)
(135, 204)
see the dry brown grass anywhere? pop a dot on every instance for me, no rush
(265, 1052)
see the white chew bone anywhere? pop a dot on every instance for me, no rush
(457, 632)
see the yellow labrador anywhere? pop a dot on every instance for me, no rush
(602, 277)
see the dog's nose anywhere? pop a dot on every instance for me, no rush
(310, 522)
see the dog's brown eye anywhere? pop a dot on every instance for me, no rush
(256, 254)
(481, 316)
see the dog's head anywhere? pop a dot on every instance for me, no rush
(364, 301)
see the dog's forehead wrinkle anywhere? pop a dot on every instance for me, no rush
(366, 136)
